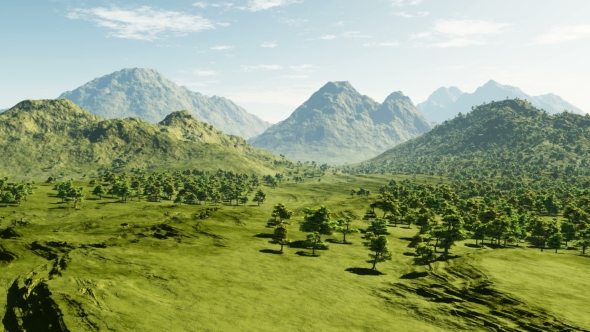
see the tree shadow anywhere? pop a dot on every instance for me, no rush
(299, 244)
(407, 239)
(307, 254)
(414, 275)
(448, 258)
(271, 251)
(407, 253)
(473, 245)
(264, 236)
(361, 271)
(334, 241)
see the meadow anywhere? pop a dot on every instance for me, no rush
(160, 266)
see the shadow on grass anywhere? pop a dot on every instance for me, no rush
(271, 251)
(448, 258)
(306, 254)
(264, 236)
(361, 271)
(409, 254)
(407, 239)
(334, 241)
(473, 245)
(414, 275)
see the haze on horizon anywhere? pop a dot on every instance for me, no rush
(269, 56)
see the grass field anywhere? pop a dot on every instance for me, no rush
(143, 266)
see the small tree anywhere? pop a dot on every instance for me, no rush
(378, 245)
(280, 213)
(259, 197)
(313, 241)
(317, 221)
(99, 191)
(378, 226)
(179, 199)
(343, 226)
(555, 240)
(425, 255)
(281, 236)
(244, 200)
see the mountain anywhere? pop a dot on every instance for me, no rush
(58, 138)
(146, 94)
(509, 138)
(438, 101)
(438, 107)
(338, 125)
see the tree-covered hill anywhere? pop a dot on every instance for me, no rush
(506, 138)
(58, 138)
(338, 125)
(147, 94)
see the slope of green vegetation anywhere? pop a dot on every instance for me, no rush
(57, 138)
(509, 138)
(155, 265)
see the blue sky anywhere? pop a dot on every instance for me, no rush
(269, 56)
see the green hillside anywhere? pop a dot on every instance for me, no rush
(57, 138)
(508, 138)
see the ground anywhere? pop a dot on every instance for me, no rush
(145, 266)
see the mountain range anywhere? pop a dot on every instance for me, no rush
(338, 125)
(146, 94)
(508, 138)
(445, 103)
(58, 138)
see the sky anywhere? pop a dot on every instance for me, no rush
(270, 56)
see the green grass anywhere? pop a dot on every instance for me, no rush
(217, 279)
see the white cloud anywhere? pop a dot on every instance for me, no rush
(205, 5)
(408, 15)
(468, 27)
(258, 5)
(564, 34)
(339, 23)
(205, 73)
(403, 3)
(221, 48)
(294, 77)
(327, 37)
(460, 33)
(263, 67)
(143, 23)
(269, 44)
(201, 4)
(303, 68)
(294, 21)
(355, 34)
(381, 44)
(223, 24)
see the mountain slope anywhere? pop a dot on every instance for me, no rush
(438, 101)
(147, 94)
(338, 125)
(508, 138)
(489, 92)
(56, 137)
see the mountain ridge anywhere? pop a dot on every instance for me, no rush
(145, 93)
(337, 124)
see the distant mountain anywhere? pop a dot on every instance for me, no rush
(338, 125)
(146, 94)
(56, 137)
(440, 106)
(509, 138)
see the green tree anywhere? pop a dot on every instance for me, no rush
(316, 220)
(244, 200)
(281, 236)
(425, 255)
(555, 240)
(259, 197)
(99, 191)
(568, 230)
(280, 213)
(343, 226)
(378, 226)
(452, 230)
(378, 244)
(313, 242)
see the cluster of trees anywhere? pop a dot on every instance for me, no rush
(69, 193)
(14, 193)
(318, 222)
(447, 213)
(190, 186)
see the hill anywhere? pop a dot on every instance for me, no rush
(445, 103)
(338, 125)
(146, 94)
(56, 137)
(507, 138)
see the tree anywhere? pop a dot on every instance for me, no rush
(244, 200)
(425, 255)
(281, 236)
(76, 194)
(378, 226)
(259, 197)
(316, 220)
(352, 193)
(280, 213)
(378, 245)
(343, 226)
(179, 199)
(99, 191)
(452, 230)
(313, 241)
(555, 240)
(568, 230)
